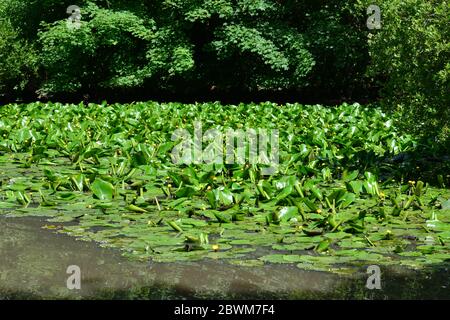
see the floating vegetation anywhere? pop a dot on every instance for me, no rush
(335, 201)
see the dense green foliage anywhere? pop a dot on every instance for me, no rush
(340, 194)
(245, 45)
(320, 48)
(17, 61)
(412, 53)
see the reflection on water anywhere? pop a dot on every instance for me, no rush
(33, 264)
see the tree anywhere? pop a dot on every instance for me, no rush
(411, 55)
(195, 45)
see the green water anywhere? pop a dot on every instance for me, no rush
(34, 262)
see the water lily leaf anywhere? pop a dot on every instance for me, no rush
(336, 196)
(185, 192)
(78, 181)
(247, 263)
(370, 177)
(312, 207)
(419, 188)
(355, 186)
(287, 213)
(323, 246)
(446, 205)
(175, 226)
(222, 218)
(135, 208)
(67, 196)
(316, 192)
(285, 192)
(102, 190)
(312, 232)
(347, 200)
(274, 258)
(350, 176)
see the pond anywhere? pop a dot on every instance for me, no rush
(97, 187)
(34, 262)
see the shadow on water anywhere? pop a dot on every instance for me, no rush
(34, 262)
